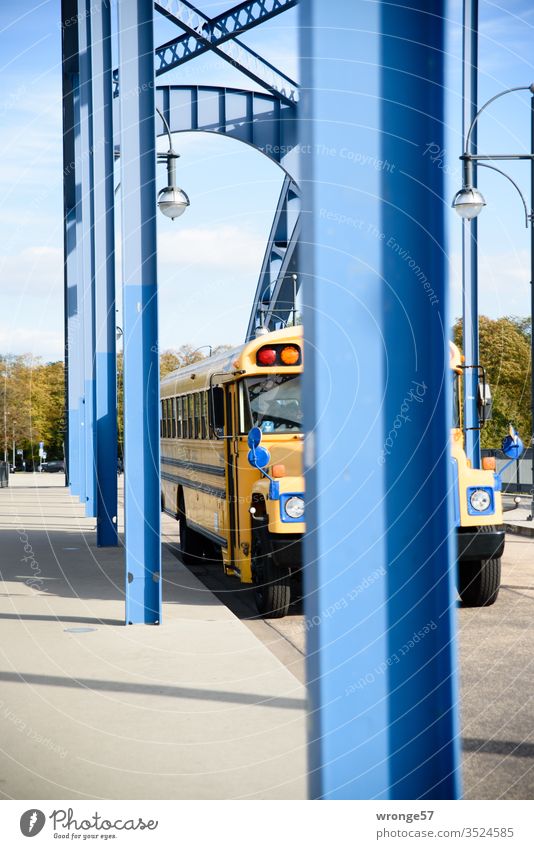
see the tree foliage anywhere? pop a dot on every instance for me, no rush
(505, 353)
(32, 405)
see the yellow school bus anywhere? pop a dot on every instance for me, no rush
(252, 516)
(477, 508)
(232, 472)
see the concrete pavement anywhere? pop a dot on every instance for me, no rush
(89, 708)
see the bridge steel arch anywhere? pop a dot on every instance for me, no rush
(268, 124)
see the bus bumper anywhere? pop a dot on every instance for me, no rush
(480, 543)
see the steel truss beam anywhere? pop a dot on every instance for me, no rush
(260, 120)
(278, 283)
(219, 35)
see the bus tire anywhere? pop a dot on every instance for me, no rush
(191, 543)
(479, 582)
(272, 590)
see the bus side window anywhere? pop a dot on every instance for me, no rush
(216, 411)
(165, 418)
(190, 414)
(173, 418)
(161, 421)
(179, 418)
(204, 414)
(197, 415)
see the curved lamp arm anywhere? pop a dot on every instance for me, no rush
(513, 182)
(488, 102)
(166, 125)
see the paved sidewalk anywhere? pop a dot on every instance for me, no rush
(517, 522)
(89, 708)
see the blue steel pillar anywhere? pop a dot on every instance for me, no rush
(70, 71)
(104, 271)
(139, 274)
(470, 236)
(77, 346)
(379, 594)
(88, 290)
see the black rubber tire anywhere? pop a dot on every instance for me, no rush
(272, 583)
(191, 543)
(479, 582)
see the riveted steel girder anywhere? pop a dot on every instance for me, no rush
(219, 34)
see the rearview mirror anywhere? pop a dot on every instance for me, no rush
(258, 456)
(512, 446)
(254, 437)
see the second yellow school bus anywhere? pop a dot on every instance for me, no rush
(208, 484)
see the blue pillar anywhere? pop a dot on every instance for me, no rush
(104, 245)
(470, 237)
(379, 584)
(139, 274)
(70, 70)
(77, 346)
(88, 290)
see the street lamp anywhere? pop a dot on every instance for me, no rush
(469, 203)
(210, 348)
(172, 201)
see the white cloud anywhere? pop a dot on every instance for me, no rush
(503, 283)
(47, 344)
(223, 247)
(33, 272)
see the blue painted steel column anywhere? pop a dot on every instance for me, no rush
(379, 584)
(88, 291)
(104, 245)
(470, 237)
(139, 274)
(77, 347)
(70, 70)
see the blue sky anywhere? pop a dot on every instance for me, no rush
(209, 259)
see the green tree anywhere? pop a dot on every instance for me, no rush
(505, 354)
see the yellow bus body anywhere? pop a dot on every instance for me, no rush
(209, 484)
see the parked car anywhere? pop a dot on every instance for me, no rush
(54, 466)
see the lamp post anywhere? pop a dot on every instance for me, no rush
(172, 201)
(209, 347)
(469, 203)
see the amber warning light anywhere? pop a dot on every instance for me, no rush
(284, 355)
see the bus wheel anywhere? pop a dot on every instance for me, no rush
(479, 582)
(191, 543)
(272, 583)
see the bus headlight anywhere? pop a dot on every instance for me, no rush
(480, 500)
(294, 507)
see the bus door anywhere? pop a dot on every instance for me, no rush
(231, 476)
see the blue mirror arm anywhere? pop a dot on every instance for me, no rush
(509, 463)
(274, 486)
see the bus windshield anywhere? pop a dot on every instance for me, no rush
(272, 403)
